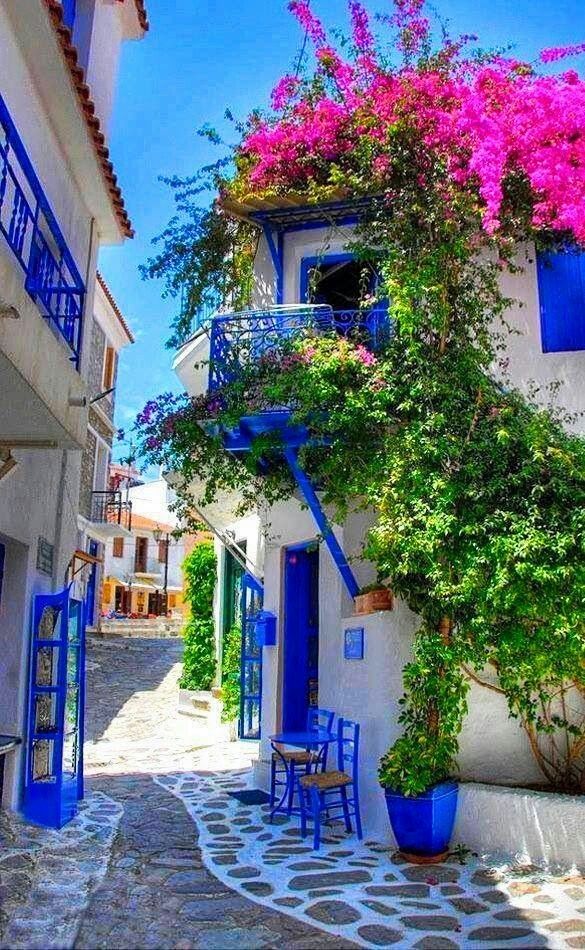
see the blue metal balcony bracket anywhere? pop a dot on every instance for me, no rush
(309, 494)
(276, 249)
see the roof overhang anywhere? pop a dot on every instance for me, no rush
(288, 213)
(45, 43)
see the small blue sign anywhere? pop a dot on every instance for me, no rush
(353, 647)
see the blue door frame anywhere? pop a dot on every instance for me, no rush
(250, 722)
(301, 634)
(55, 728)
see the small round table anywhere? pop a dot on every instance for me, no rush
(308, 740)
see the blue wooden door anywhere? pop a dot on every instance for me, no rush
(301, 636)
(251, 661)
(54, 759)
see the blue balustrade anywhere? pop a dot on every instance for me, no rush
(35, 238)
(239, 339)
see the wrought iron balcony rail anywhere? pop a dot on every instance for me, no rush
(239, 339)
(35, 238)
(107, 507)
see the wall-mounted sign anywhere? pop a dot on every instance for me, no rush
(45, 554)
(353, 644)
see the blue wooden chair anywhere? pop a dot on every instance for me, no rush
(336, 791)
(317, 719)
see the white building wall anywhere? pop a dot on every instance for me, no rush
(493, 746)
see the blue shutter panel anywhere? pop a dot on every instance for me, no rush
(561, 288)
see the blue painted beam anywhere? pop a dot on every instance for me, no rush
(310, 496)
(277, 255)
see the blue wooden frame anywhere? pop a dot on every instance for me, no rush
(252, 599)
(51, 800)
(45, 277)
(310, 495)
(561, 290)
(308, 263)
(297, 593)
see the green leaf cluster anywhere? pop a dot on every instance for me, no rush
(199, 659)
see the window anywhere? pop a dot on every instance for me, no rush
(2, 560)
(141, 555)
(118, 547)
(561, 289)
(109, 367)
(162, 550)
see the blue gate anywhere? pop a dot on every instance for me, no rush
(54, 757)
(251, 660)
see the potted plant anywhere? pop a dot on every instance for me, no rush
(372, 598)
(417, 771)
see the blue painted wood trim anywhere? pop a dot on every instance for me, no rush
(277, 254)
(308, 263)
(310, 496)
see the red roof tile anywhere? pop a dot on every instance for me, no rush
(112, 302)
(87, 105)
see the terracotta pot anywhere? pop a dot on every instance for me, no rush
(373, 600)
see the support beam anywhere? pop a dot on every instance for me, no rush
(277, 254)
(310, 496)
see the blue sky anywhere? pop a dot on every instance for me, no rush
(201, 57)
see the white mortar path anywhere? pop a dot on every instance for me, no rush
(383, 902)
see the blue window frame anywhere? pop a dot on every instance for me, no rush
(561, 289)
(69, 12)
(2, 562)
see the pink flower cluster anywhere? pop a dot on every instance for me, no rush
(485, 123)
(553, 53)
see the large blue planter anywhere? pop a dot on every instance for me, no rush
(423, 825)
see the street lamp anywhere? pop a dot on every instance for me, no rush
(158, 535)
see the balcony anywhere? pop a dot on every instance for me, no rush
(110, 516)
(240, 339)
(34, 237)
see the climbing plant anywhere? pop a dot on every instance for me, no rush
(199, 659)
(465, 161)
(230, 674)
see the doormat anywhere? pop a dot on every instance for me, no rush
(251, 796)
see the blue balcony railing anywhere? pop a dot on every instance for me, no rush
(35, 238)
(238, 339)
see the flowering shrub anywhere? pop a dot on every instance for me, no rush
(479, 493)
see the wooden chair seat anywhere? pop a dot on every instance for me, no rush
(294, 755)
(325, 780)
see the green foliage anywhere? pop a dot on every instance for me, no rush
(230, 674)
(199, 662)
(478, 489)
(206, 259)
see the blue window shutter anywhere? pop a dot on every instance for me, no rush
(561, 288)
(69, 12)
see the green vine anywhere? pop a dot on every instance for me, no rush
(199, 662)
(230, 674)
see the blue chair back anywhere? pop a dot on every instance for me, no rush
(318, 718)
(348, 745)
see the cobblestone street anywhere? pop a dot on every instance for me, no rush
(132, 870)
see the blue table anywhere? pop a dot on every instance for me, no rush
(308, 740)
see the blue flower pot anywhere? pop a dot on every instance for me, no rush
(423, 825)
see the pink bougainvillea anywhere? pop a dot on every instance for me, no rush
(486, 121)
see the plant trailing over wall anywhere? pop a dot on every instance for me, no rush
(467, 159)
(199, 663)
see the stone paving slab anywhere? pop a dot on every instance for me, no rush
(364, 893)
(46, 876)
